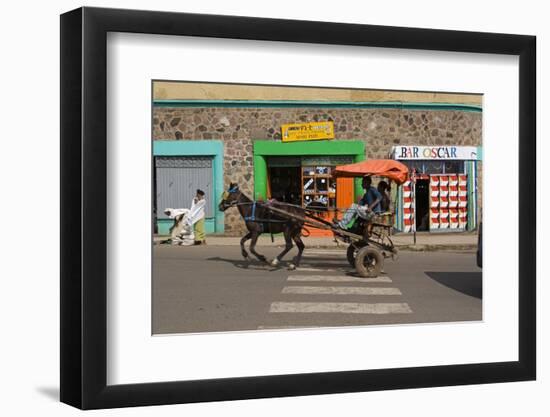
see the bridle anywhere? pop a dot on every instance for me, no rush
(235, 201)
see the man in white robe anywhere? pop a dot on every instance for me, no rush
(181, 232)
(196, 217)
(188, 228)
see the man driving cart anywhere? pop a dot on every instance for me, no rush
(368, 206)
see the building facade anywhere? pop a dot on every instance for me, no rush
(208, 143)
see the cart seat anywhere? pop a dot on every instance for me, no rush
(385, 219)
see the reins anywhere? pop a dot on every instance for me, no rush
(252, 217)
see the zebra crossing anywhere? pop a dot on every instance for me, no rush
(337, 278)
(341, 290)
(333, 294)
(346, 308)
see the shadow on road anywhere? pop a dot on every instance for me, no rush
(243, 264)
(469, 283)
(254, 264)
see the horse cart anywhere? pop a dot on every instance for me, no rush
(368, 238)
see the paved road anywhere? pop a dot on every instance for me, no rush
(211, 288)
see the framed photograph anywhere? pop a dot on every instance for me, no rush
(257, 208)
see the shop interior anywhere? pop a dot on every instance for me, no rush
(422, 207)
(284, 184)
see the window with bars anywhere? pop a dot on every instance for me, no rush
(319, 187)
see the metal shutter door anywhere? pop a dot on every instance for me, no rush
(178, 178)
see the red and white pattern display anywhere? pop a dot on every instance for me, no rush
(435, 203)
(448, 201)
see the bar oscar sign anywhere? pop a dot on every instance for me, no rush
(437, 152)
(307, 131)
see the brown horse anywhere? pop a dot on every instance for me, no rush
(259, 219)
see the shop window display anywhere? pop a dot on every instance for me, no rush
(319, 187)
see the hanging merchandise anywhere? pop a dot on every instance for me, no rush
(453, 202)
(453, 218)
(448, 202)
(444, 216)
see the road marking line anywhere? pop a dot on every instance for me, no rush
(331, 256)
(306, 269)
(341, 290)
(337, 278)
(343, 308)
(326, 252)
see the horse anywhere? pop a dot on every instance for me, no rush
(259, 219)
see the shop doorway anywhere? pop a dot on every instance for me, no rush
(284, 184)
(422, 205)
(177, 179)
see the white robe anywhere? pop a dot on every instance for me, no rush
(196, 212)
(173, 213)
(181, 233)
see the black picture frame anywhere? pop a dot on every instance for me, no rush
(84, 207)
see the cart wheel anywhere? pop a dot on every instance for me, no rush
(368, 262)
(351, 253)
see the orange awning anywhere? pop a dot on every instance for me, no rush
(389, 168)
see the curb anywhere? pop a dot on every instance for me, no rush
(436, 248)
(401, 247)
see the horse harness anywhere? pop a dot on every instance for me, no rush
(252, 216)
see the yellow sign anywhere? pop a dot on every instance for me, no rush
(307, 131)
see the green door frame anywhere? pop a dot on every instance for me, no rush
(265, 148)
(213, 148)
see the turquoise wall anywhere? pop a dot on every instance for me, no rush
(213, 148)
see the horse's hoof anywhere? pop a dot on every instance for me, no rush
(275, 262)
(291, 267)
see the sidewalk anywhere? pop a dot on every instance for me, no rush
(424, 241)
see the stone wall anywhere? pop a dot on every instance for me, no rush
(380, 129)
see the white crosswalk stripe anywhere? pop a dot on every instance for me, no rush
(323, 251)
(346, 308)
(337, 278)
(341, 290)
(327, 252)
(308, 269)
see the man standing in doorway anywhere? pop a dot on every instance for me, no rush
(196, 217)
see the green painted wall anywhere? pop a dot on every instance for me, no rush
(317, 147)
(260, 177)
(357, 181)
